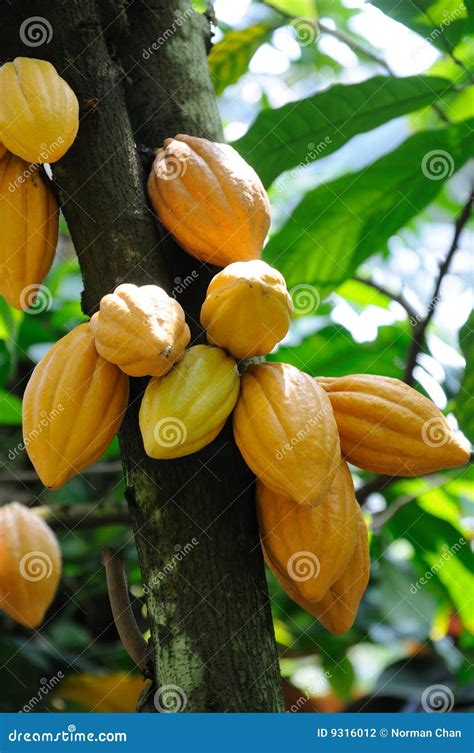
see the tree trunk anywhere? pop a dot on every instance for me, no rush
(194, 518)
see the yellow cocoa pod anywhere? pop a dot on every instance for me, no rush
(311, 546)
(73, 406)
(387, 427)
(140, 329)
(247, 309)
(39, 112)
(29, 221)
(30, 564)
(186, 409)
(337, 609)
(286, 431)
(210, 200)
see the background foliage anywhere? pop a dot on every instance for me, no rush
(358, 117)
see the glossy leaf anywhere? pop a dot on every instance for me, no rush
(333, 352)
(340, 224)
(465, 399)
(441, 23)
(304, 131)
(10, 409)
(230, 58)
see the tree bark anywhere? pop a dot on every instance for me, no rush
(193, 519)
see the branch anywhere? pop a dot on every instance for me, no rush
(70, 515)
(398, 297)
(418, 341)
(356, 46)
(127, 628)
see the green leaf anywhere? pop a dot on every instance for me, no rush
(10, 409)
(340, 224)
(363, 295)
(229, 59)
(295, 7)
(445, 553)
(301, 132)
(465, 400)
(440, 22)
(340, 673)
(333, 352)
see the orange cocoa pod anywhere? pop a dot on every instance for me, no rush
(209, 199)
(286, 431)
(73, 406)
(30, 564)
(29, 223)
(39, 112)
(387, 427)
(140, 329)
(337, 609)
(311, 546)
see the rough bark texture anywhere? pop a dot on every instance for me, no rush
(194, 518)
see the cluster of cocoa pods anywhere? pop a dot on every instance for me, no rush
(295, 432)
(39, 119)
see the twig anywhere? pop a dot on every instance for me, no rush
(127, 628)
(73, 516)
(418, 340)
(363, 50)
(398, 297)
(356, 46)
(26, 476)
